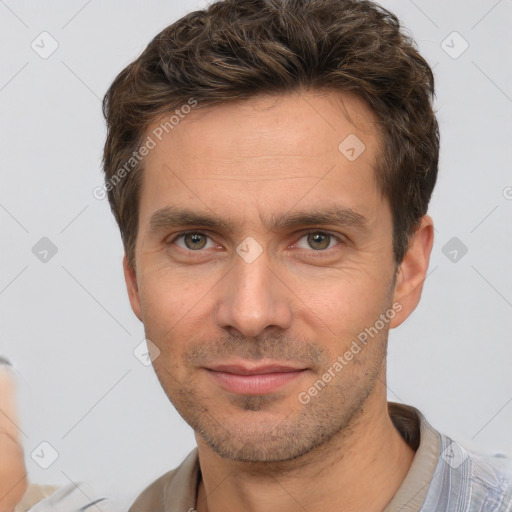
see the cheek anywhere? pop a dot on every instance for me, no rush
(163, 306)
(165, 293)
(344, 298)
(174, 309)
(337, 313)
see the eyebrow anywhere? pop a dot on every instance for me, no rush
(175, 217)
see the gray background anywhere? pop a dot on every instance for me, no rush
(66, 322)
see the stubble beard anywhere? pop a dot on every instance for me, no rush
(281, 438)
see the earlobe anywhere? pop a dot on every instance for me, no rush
(130, 278)
(413, 270)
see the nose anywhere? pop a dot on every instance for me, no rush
(253, 298)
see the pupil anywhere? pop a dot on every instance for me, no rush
(319, 238)
(195, 240)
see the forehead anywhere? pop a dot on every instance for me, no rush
(305, 124)
(279, 149)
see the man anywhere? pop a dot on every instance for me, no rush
(270, 165)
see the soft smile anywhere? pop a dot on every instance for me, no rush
(254, 380)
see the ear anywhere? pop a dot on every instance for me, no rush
(130, 278)
(413, 270)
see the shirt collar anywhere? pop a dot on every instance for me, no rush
(180, 492)
(411, 494)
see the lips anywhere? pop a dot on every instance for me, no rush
(258, 370)
(254, 380)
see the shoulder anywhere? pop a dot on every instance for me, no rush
(491, 476)
(176, 488)
(34, 494)
(468, 480)
(151, 499)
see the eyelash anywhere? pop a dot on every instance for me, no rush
(318, 253)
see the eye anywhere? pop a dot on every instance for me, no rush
(193, 241)
(318, 241)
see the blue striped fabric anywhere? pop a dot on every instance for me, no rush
(469, 482)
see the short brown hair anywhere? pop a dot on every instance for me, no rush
(237, 49)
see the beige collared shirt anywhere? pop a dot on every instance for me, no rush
(176, 491)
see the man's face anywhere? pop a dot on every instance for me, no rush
(295, 295)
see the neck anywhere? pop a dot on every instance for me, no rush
(360, 468)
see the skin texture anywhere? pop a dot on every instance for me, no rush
(13, 482)
(299, 302)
